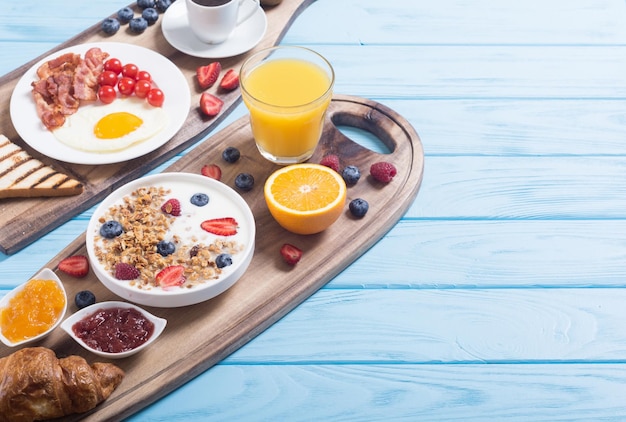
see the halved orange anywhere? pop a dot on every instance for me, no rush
(305, 198)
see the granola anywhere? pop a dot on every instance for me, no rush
(144, 226)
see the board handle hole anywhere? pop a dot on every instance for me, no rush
(364, 138)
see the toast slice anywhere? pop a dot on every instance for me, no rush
(22, 176)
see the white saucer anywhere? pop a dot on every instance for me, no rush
(176, 30)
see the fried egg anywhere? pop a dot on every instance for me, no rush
(111, 127)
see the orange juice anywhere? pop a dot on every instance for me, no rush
(287, 98)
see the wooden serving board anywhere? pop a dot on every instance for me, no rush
(23, 220)
(199, 336)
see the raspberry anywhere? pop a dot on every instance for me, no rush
(383, 171)
(171, 207)
(124, 271)
(331, 161)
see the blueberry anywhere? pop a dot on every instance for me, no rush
(351, 175)
(244, 181)
(358, 207)
(84, 298)
(231, 154)
(110, 26)
(125, 14)
(138, 25)
(111, 229)
(223, 260)
(163, 5)
(165, 248)
(150, 15)
(145, 4)
(199, 199)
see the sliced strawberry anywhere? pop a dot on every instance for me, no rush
(210, 104)
(212, 170)
(171, 207)
(76, 266)
(171, 276)
(225, 226)
(290, 253)
(207, 75)
(230, 80)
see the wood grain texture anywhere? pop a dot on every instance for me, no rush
(23, 220)
(269, 288)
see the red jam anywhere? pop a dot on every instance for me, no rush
(114, 330)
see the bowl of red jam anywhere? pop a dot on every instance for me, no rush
(114, 329)
(33, 309)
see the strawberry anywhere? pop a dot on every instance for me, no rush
(171, 207)
(210, 104)
(230, 80)
(331, 161)
(207, 75)
(225, 226)
(212, 170)
(171, 276)
(383, 171)
(124, 271)
(76, 266)
(290, 253)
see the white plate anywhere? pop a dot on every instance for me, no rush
(177, 32)
(164, 73)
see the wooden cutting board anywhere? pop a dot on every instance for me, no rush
(270, 288)
(23, 220)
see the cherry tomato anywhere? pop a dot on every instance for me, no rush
(156, 97)
(142, 87)
(126, 85)
(108, 77)
(114, 65)
(107, 94)
(130, 70)
(143, 75)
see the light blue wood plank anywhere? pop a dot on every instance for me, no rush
(583, 187)
(495, 254)
(446, 326)
(373, 392)
(463, 22)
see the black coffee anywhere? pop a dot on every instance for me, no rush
(211, 3)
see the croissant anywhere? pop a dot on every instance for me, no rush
(35, 385)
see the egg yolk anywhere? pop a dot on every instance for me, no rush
(116, 125)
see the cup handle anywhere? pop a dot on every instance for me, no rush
(248, 13)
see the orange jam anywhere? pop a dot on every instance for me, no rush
(32, 311)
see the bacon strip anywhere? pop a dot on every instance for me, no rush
(64, 82)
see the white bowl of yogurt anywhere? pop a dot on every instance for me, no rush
(171, 239)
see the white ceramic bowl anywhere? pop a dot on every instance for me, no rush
(223, 202)
(159, 326)
(45, 274)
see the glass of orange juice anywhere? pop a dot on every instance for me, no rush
(287, 90)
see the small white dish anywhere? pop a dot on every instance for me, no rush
(164, 73)
(159, 326)
(176, 30)
(45, 274)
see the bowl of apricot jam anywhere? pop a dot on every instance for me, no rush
(33, 309)
(114, 329)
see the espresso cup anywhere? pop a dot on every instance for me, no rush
(212, 21)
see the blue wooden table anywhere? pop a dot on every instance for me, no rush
(501, 294)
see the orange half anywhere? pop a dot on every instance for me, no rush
(305, 198)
